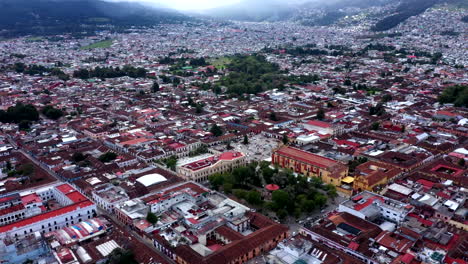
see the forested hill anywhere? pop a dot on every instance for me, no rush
(405, 10)
(46, 17)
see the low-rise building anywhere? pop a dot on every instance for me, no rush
(199, 168)
(65, 206)
(371, 206)
(107, 196)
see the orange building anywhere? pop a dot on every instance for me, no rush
(309, 164)
(372, 174)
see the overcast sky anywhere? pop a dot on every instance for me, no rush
(190, 5)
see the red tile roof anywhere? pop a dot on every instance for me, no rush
(31, 198)
(11, 209)
(47, 215)
(359, 207)
(65, 188)
(307, 157)
(319, 124)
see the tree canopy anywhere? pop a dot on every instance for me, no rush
(18, 113)
(51, 112)
(216, 130)
(252, 74)
(152, 218)
(107, 157)
(110, 72)
(457, 95)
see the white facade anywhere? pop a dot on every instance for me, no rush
(109, 196)
(52, 223)
(217, 166)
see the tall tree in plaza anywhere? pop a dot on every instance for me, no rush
(155, 88)
(246, 140)
(320, 114)
(216, 130)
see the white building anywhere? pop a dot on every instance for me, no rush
(75, 207)
(370, 206)
(199, 168)
(107, 196)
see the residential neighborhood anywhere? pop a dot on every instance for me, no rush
(238, 142)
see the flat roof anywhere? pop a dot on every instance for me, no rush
(400, 189)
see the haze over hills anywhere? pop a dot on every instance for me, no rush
(323, 13)
(277, 10)
(46, 17)
(49, 17)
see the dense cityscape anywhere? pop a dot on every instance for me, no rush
(213, 141)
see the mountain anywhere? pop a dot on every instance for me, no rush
(327, 12)
(47, 17)
(403, 11)
(255, 10)
(315, 11)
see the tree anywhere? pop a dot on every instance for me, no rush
(273, 116)
(386, 98)
(242, 174)
(316, 182)
(199, 109)
(254, 197)
(320, 114)
(285, 139)
(457, 95)
(228, 145)
(107, 157)
(331, 191)
(18, 113)
(121, 256)
(171, 163)
(216, 180)
(246, 140)
(155, 88)
(378, 110)
(24, 125)
(282, 214)
(461, 162)
(280, 198)
(152, 218)
(26, 169)
(375, 126)
(320, 200)
(51, 112)
(78, 156)
(216, 130)
(267, 174)
(227, 187)
(239, 193)
(308, 205)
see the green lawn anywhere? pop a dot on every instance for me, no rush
(220, 63)
(99, 45)
(34, 39)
